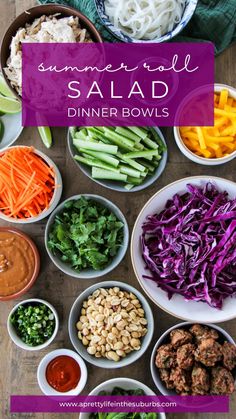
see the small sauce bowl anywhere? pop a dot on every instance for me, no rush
(36, 263)
(41, 373)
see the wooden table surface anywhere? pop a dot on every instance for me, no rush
(18, 367)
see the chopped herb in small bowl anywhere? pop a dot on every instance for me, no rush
(33, 324)
(86, 236)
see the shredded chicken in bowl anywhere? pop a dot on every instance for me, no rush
(44, 29)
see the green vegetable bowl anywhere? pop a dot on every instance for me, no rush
(124, 159)
(33, 324)
(120, 387)
(86, 236)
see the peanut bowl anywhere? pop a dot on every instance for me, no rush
(115, 334)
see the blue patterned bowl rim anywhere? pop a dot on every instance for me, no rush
(187, 15)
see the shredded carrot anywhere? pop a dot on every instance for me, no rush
(27, 183)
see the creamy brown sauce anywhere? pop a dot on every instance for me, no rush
(17, 263)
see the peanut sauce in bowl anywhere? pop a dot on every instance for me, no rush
(19, 263)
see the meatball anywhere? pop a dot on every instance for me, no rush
(165, 377)
(208, 352)
(185, 356)
(203, 332)
(222, 381)
(181, 379)
(200, 380)
(180, 337)
(229, 355)
(165, 357)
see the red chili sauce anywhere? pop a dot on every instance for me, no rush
(63, 373)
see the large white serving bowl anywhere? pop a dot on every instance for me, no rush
(126, 384)
(177, 306)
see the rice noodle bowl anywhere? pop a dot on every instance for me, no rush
(145, 19)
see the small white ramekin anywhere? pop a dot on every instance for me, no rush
(14, 336)
(41, 373)
(203, 160)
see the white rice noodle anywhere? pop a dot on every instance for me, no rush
(145, 19)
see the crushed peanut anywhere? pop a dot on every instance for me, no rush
(111, 323)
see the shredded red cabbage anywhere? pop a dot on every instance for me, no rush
(190, 246)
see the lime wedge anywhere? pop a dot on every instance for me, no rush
(9, 105)
(4, 89)
(46, 136)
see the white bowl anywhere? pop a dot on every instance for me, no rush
(12, 129)
(89, 273)
(194, 157)
(164, 339)
(55, 198)
(103, 362)
(187, 15)
(177, 306)
(119, 186)
(125, 383)
(17, 340)
(41, 373)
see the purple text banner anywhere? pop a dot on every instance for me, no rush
(89, 404)
(104, 84)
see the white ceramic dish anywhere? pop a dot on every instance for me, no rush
(165, 339)
(89, 273)
(187, 15)
(41, 373)
(125, 383)
(191, 311)
(118, 186)
(81, 349)
(55, 198)
(194, 157)
(17, 340)
(12, 129)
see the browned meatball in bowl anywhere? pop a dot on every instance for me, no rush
(166, 357)
(200, 380)
(181, 379)
(222, 381)
(203, 332)
(179, 337)
(165, 377)
(229, 355)
(208, 352)
(185, 356)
